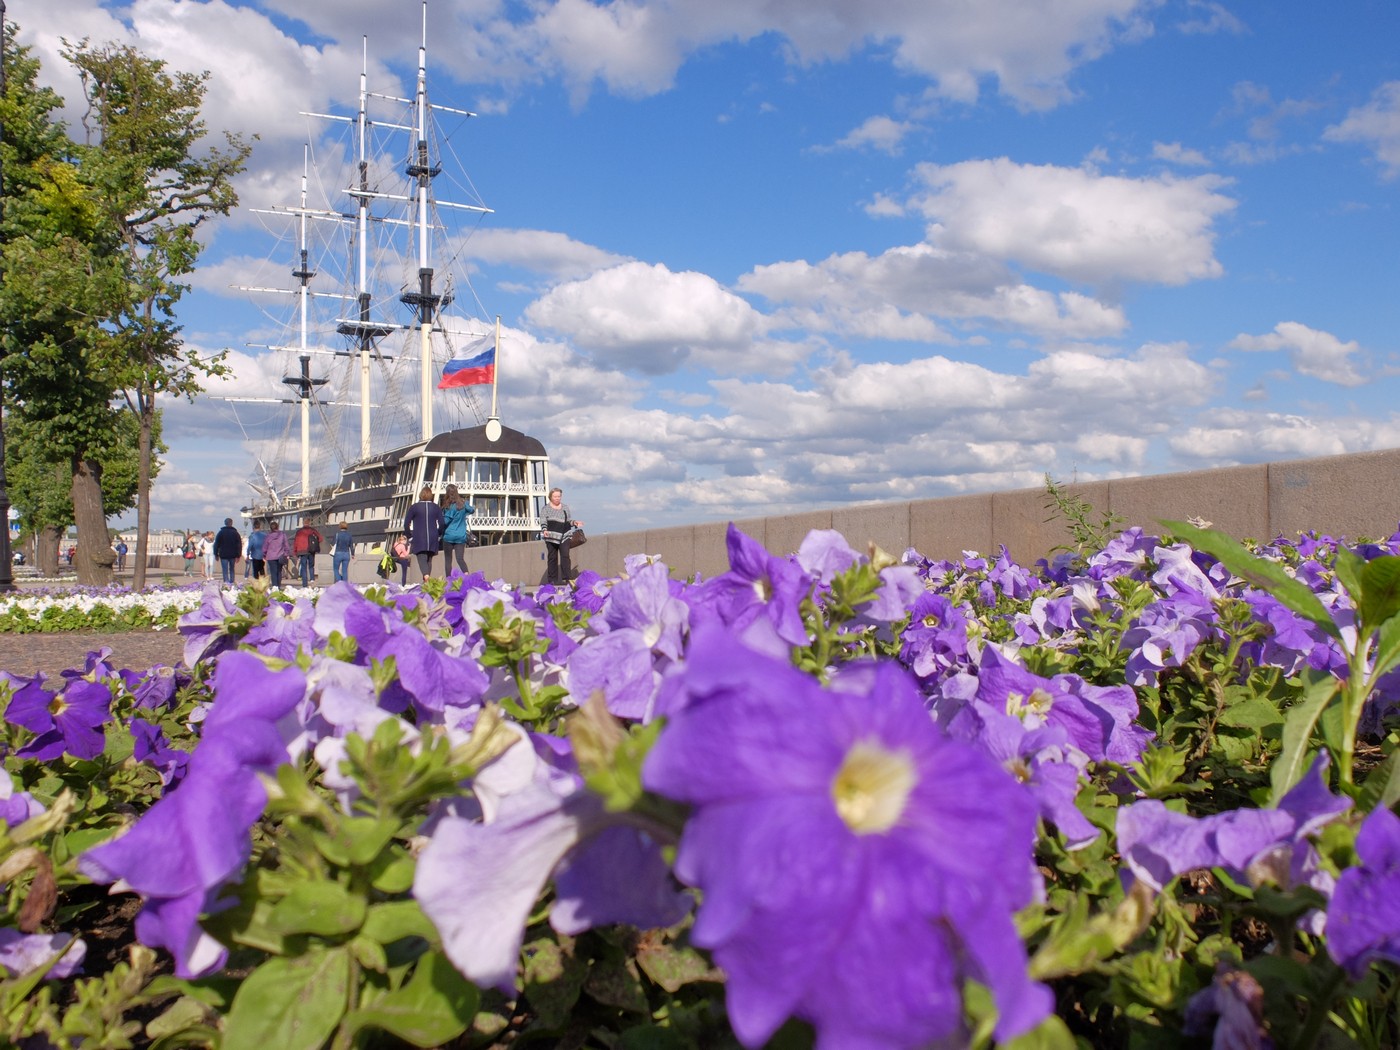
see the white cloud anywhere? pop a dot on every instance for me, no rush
(881, 133)
(636, 48)
(649, 319)
(1376, 124)
(555, 255)
(1320, 355)
(1176, 153)
(1239, 436)
(1077, 224)
(1208, 18)
(855, 293)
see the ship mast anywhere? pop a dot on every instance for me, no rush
(304, 384)
(367, 332)
(422, 168)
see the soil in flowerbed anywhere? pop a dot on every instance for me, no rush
(53, 653)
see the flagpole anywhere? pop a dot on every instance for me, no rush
(496, 372)
(493, 424)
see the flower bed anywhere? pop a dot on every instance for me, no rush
(1134, 797)
(116, 608)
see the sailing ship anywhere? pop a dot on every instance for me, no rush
(389, 328)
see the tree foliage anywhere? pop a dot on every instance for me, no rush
(97, 236)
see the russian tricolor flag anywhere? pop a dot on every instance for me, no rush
(469, 371)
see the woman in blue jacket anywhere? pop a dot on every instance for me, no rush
(455, 536)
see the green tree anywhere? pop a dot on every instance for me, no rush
(62, 280)
(159, 184)
(41, 486)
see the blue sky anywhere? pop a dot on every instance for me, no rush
(759, 257)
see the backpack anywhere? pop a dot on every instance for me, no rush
(313, 542)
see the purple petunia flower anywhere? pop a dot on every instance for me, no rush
(22, 953)
(433, 673)
(16, 806)
(1232, 1010)
(152, 746)
(935, 640)
(152, 688)
(1041, 759)
(642, 627)
(183, 850)
(203, 628)
(69, 721)
(1258, 845)
(1099, 719)
(1363, 920)
(1166, 634)
(829, 840)
(1012, 579)
(478, 880)
(759, 598)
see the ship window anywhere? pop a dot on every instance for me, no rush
(488, 471)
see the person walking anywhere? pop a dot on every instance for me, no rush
(121, 549)
(558, 523)
(206, 551)
(256, 539)
(276, 550)
(401, 558)
(456, 538)
(423, 527)
(189, 551)
(228, 548)
(342, 547)
(306, 544)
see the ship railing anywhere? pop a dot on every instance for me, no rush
(496, 523)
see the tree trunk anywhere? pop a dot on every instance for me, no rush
(147, 403)
(46, 544)
(95, 556)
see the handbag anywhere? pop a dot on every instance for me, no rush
(576, 538)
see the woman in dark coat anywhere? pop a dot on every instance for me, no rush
(423, 527)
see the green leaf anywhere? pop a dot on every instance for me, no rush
(1348, 566)
(614, 981)
(392, 871)
(1258, 572)
(553, 979)
(433, 1007)
(1382, 785)
(1380, 591)
(366, 837)
(1254, 712)
(394, 920)
(673, 966)
(290, 1004)
(1079, 942)
(322, 908)
(1293, 761)
(1051, 1034)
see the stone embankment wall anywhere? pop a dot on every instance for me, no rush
(1355, 495)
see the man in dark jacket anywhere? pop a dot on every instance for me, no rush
(228, 548)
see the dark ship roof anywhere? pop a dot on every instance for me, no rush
(474, 440)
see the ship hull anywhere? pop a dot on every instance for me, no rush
(506, 480)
